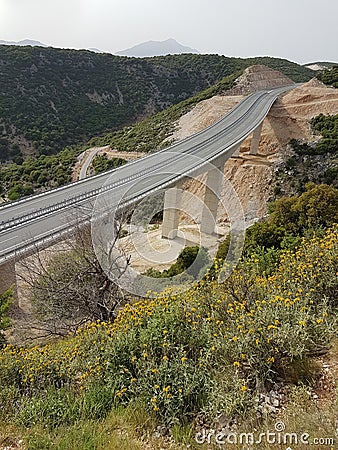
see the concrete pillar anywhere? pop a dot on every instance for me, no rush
(212, 193)
(256, 137)
(171, 212)
(8, 277)
(236, 151)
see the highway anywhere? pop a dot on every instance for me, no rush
(41, 218)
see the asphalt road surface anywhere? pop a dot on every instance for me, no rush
(41, 218)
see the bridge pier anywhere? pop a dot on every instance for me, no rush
(213, 188)
(8, 277)
(171, 212)
(256, 137)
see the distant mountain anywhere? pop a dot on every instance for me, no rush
(157, 48)
(32, 43)
(24, 43)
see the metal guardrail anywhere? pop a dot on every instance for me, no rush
(44, 212)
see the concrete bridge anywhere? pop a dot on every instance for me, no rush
(41, 220)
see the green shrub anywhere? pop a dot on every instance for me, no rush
(52, 407)
(6, 300)
(192, 262)
(316, 207)
(329, 76)
(201, 352)
(167, 363)
(101, 163)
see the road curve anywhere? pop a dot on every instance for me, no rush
(41, 218)
(91, 153)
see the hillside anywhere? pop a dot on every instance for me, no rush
(296, 72)
(48, 171)
(177, 122)
(258, 77)
(330, 76)
(158, 373)
(320, 65)
(264, 342)
(277, 170)
(52, 97)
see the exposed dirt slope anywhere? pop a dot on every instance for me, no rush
(259, 77)
(289, 118)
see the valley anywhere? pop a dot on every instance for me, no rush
(232, 325)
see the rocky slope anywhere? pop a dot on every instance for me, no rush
(251, 176)
(259, 77)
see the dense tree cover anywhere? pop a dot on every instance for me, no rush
(316, 207)
(101, 163)
(327, 127)
(330, 76)
(145, 136)
(44, 172)
(290, 219)
(54, 97)
(153, 133)
(225, 65)
(34, 174)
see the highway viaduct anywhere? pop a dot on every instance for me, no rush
(41, 220)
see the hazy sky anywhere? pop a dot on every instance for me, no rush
(299, 30)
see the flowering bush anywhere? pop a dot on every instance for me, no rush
(204, 350)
